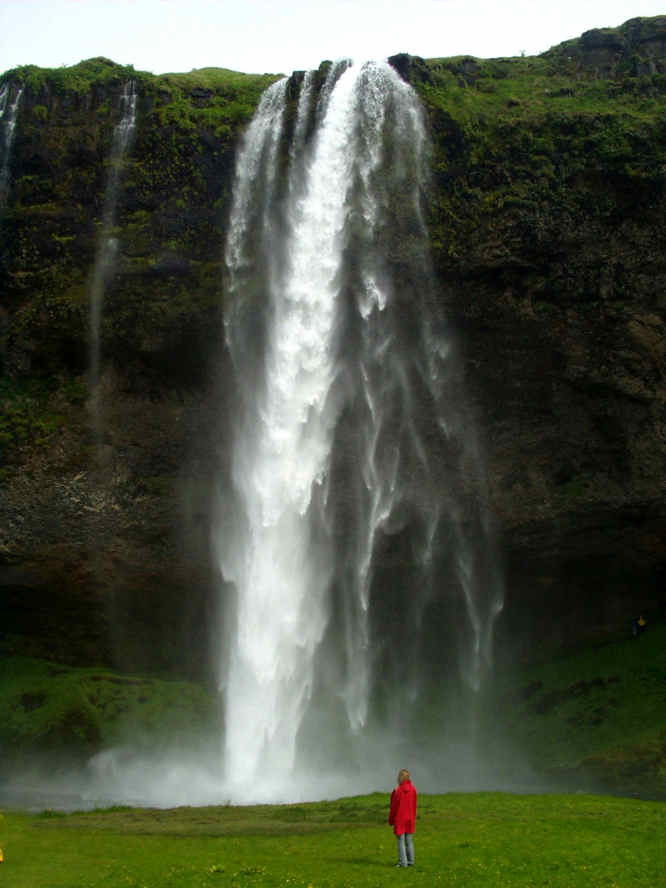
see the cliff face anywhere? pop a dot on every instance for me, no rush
(550, 216)
(547, 219)
(104, 550)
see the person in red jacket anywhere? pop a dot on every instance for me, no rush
(402, 817)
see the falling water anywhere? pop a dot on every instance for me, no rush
(105, 254)
(8, 113)
(356, 537)
(282, 453)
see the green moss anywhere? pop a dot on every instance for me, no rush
(76, 78)
(525, 150)
(49, 707)
(596, 712)
(25, 417)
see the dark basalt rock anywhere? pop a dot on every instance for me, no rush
(412, 69)
(638, 47)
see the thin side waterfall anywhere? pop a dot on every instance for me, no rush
(360, 578)
(8, 113)
(107, 245)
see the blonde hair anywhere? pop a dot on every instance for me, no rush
(403, 774)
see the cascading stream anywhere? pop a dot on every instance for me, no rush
(355, 533)
(8, 113)
(107, 246)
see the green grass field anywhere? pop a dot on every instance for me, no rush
(481, 839)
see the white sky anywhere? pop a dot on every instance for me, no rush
(273, 36)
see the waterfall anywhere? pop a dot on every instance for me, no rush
(8, 113)
(107, 245)
(282, 452)
(353, 539)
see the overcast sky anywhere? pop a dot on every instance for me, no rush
(285, 35)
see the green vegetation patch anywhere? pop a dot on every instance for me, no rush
(601, 711)
(471, 840)
(525, 150)
(30, 413)
(51, 708)
(75, 78)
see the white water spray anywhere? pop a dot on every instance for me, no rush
(351, 440)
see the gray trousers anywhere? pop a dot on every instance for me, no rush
(406, 849)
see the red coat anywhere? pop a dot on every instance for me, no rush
(402, 816)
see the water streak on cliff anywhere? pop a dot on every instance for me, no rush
(107, 245)
(8, 112)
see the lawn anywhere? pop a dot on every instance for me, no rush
(479, 839)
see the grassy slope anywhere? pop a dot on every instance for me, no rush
(54, 708)
(99, 71)
(230, 96)
(599, 713)
(522, 138)
(536, 86)
(471, 840)
(602, 709)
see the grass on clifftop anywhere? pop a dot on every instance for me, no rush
(203, 98)
(102, 71)
(478, 90)
(475, 840)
